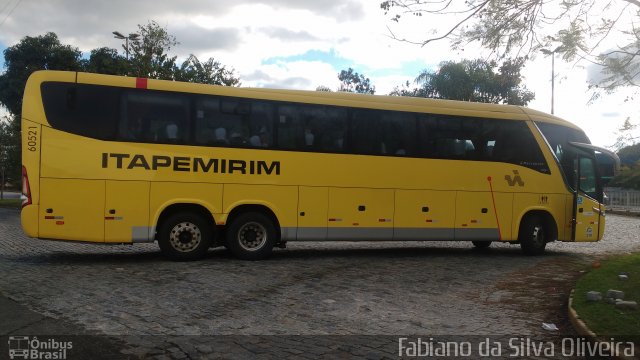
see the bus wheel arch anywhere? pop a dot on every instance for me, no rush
(252, 231)
(537, 228)
(185, 231)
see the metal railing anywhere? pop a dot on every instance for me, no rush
(622, 199)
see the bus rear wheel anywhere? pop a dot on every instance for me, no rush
(251, 236)
(533, 236)
(185, 236)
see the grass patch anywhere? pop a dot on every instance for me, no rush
(603, 318)
(10, 203)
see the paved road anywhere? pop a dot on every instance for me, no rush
(179, 310)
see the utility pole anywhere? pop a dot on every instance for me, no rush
(553, 71)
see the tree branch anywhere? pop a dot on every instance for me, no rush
(478, 9)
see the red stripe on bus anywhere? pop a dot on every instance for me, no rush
(495, 209)
(141, 83)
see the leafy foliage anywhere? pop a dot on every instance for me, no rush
(10, 150)
(576, 28)
(629, 175)
(148, 53)
(210, 72)
(351, 81)
(149, 58)
(629, 154)
(43, 52)
(472, 80)
(627, 135)
(323, 88)
(105, 60)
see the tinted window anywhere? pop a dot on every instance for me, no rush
(87, 110)
(461, 138)
(233, 122)
(512, 142)
(558, 138)
(446, 137)
(383, 132)
(366, 132)
(154, 116)
(312, 128)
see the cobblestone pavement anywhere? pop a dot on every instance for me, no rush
(173, 310)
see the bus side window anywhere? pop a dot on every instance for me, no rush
(261, 125)
(366, 132)
(311, 127)
(513, 143)
(150, 116)
(82, 109)
(398, 133)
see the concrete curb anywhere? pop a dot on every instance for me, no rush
(583, 330)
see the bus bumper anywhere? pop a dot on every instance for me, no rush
(29, 220)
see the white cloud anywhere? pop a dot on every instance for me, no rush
(303, 75)
(244, 33)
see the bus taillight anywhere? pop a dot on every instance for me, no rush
(26, 190)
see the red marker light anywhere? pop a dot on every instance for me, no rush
(141, 83)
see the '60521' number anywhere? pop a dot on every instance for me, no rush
(32, 138)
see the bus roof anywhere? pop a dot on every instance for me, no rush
(381, 102)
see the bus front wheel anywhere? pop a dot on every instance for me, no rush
(251, 236)
(533, 235)
(184, 236)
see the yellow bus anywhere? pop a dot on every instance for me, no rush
(111, 159)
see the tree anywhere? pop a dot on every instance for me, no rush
(323, 88)
(105, 60)
(629, 175)
(10, 160)
(472, 80)
(575, 28)
(210, 72)
(148, 53)
(21, 60)
(43, 52)
(629, 155)
(351, 81)
(626, 135)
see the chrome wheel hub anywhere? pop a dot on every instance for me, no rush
(185, 237)
(252, 236)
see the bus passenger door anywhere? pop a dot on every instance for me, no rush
(587, 211)
(312, 213)
(126, 212)
(71, 209)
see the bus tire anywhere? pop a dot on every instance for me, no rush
(481, 244)
(185, 236)
(533, 235)
(251, 236)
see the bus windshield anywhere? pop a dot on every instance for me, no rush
(559, 138)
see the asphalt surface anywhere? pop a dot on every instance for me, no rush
(309, 301)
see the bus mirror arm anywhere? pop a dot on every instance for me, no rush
(609, 153)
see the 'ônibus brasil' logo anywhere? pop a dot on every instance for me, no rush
(32, 348)
(516, 179)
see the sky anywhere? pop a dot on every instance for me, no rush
(302, 44)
